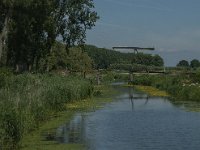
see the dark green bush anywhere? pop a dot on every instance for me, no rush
(145, 80)
(196, 77)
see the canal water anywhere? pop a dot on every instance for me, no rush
(135, 121)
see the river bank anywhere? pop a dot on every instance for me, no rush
(151, 91)
(184, 88)
(30, 100)
(44, 137)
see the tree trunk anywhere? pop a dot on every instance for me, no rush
(29, 67)
(17, 68)
(1, 46)
(3, 38)
(98, 78)
(84, 74)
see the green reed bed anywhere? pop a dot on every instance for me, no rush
(27, 100)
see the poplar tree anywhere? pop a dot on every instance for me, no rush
(29, 28)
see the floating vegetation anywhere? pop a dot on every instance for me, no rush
(152, 91)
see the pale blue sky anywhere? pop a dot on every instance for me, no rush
(171, 26)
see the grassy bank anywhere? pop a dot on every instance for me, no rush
(152, 91)
(27, 101)
(182, 88)
(35, 140)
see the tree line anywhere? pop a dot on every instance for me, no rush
(30, 28)
(195, 63)
(105, 58)
(43, 35)
(84, 59)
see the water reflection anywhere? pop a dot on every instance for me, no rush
(187, 105)
(73, 132)
(155, 123)
(132, 98)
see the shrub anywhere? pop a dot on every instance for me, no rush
(146, 80)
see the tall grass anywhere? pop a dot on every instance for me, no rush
(145, 80)
(27, 100)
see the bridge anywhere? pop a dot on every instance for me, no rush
(136, 49)
(133, 48)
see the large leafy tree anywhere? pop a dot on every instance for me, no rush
(79, 61)
(183, 63)
(79, 19)
(30, 32)
(33, 27)
(74, 61)
(195, 63)
(158, 61)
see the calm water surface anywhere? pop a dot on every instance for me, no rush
(135, 121)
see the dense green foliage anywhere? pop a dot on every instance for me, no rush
(183, 63)
(195, 63)
(29, 28)
(145, 80)
(75, 60)
(105, 58)
(27, 100)
(182, 88)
